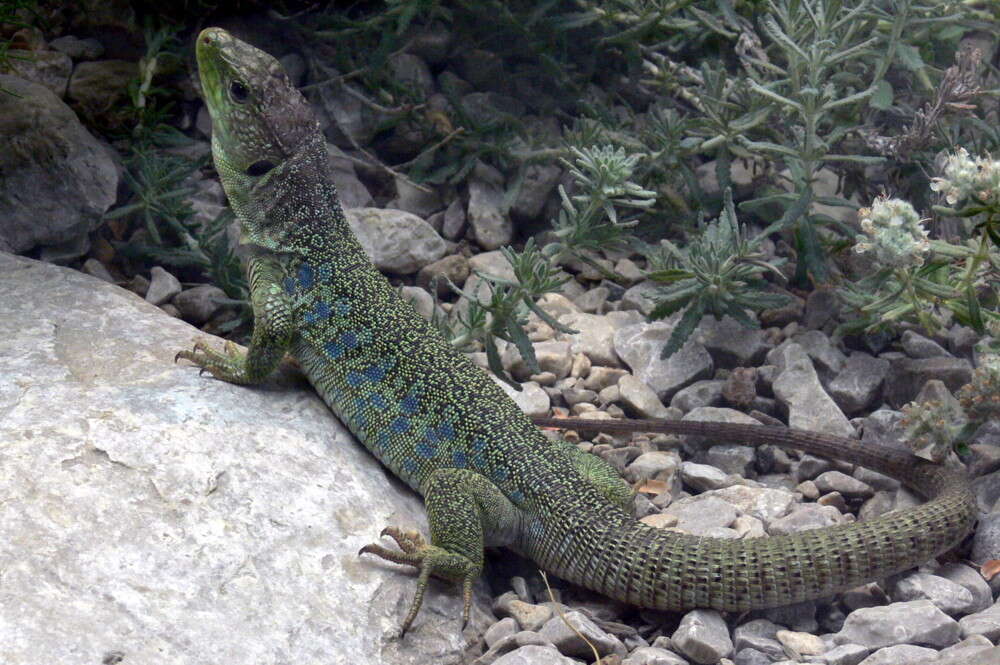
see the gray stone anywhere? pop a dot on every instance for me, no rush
(700, 393)
(199, 304)
(804, 644)
(96, 88)
(732, 344)
(902, 654)
(731, 458)
(454, 220)
(490, 227)
(212, 518)
(537, 185)
(826, 357)
(913, 622)
(453, 268)
(804, 517)
(534, 654)
(764, 503)
(49, 68)
(702, 477)
(58, 180)
(703, 637)
(639, 399)
(798, 386)
(501, 629)
(751, 656)
(845, 654)
(641, 297)
(916, 345)
(421, 202)
(95, 268)
(162, 286)
(567, 638)
(859, 382)
(78, 49)
(532, 399)
(947, 596)
(985, 623)
(837, 481)
(973, 656)
(986, 541)
(653, 656)
(697, 513)
(908, 375)
(652, 464)
(397, 241)
(595, 337)
(970, 579)
(640, 346)
(351, 191)
(412, 72)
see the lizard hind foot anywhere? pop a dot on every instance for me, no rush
(429, 560)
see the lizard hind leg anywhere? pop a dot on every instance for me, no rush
(601, 475)
(462, 506)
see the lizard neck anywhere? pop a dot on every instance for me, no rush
(294, 212)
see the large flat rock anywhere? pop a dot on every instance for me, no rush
(170, 518)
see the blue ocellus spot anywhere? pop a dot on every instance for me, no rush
(289, 284)
(382, 440)
(354, 379)
(306, 276)
(410, 404)
(334, 350)
(500, 473)
(409, 465)
(446, 431)
(378, 401)
(375, 373)
(320, 312)
(400, 424)
(459, 459)
(426, 450)
(517, 496)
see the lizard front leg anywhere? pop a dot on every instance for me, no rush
(273, 328)
(466, 512)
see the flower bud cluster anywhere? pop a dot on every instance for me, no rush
(894, 234)
(966, 177)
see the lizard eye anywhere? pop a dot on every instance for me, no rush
(259, 168)
(238, 92)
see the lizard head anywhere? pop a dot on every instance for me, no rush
(262, 126)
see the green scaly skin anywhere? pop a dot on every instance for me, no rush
(487, 474)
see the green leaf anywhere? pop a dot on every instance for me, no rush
(683, 330)
(975, 315)
(524, 347)
(882, 99)
(493, 360)
(909, 57)
(667, 307)
(670, 275)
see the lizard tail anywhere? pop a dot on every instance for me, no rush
(651, 567)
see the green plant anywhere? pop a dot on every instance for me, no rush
(504, 314)
(159, 201)
(920, 279)
(718, 273)
(11, 12)
(152, 105)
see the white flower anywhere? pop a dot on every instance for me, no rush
(894, 232)
(965, 177)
